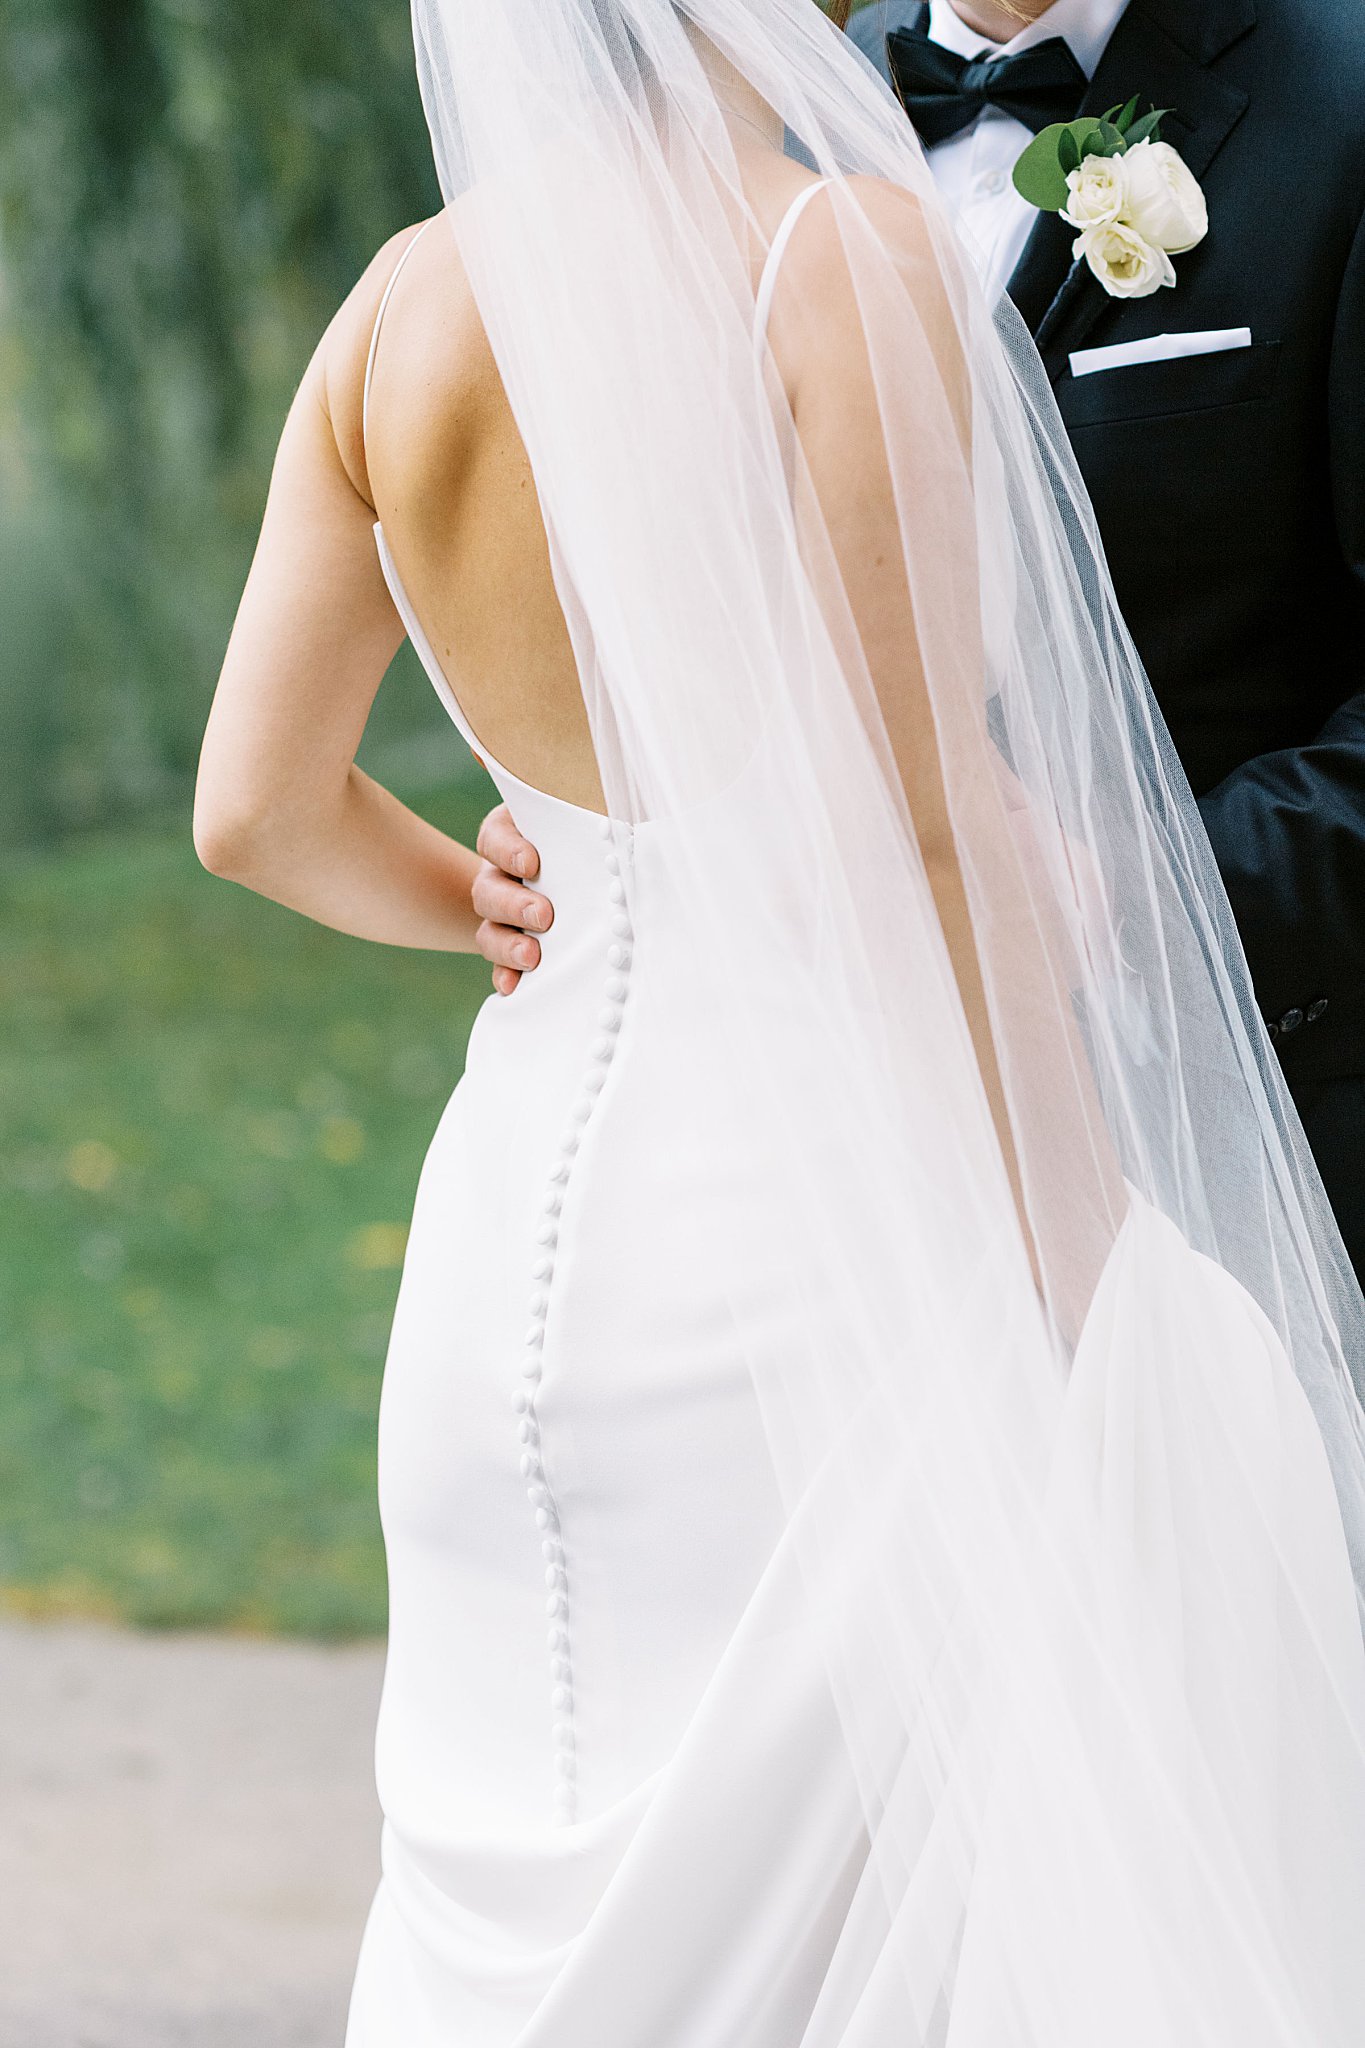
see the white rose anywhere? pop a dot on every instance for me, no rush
(1162, 199)
(1097, 189)
(1126, 264)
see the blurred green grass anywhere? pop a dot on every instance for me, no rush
(212, 1116)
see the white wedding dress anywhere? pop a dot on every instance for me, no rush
(620, 1804)
(614, 1807)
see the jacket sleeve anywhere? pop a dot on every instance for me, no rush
(1288, 828)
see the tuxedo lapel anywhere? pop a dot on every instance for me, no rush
(1042, 270)
(1160, 49)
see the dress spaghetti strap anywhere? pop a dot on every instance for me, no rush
(767, 283)
(374, 338)
(763, 301)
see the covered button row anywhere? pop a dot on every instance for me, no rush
(547, 1238)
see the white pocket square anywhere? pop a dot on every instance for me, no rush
(1158, 348)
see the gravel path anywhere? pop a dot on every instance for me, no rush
(188, 1838)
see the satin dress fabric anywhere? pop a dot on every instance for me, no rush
(615, 1803)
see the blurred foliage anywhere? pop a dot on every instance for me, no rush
(212, 1116)
(187, 191)
(211, 1113)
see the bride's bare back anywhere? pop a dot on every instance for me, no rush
(448, 474)
(443, 463)
(280, 804)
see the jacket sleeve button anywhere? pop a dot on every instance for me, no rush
(1291, 1020)
(1315, 1010)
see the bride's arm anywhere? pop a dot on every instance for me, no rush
(280, 805)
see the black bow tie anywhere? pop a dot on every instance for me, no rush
(943, 93)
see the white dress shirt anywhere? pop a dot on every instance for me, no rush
(973, 168)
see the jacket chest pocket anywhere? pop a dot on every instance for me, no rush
(1138, 391)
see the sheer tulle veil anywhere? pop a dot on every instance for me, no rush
(1066, 1427)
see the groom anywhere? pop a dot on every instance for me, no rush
(1229, 482)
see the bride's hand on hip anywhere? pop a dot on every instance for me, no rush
(511, 913)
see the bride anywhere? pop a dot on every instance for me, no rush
(872, 1479)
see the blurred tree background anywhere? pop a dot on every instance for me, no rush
(211, 1113)
(186, 193)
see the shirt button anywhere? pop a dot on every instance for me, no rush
(991, 182)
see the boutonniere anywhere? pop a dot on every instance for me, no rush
(1133, 201)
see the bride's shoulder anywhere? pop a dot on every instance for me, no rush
(341, 364)
(867, 211)
(860, 230)
(846, 227)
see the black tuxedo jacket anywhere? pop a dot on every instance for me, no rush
(1230, 488)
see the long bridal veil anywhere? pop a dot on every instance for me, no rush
(1064, 1418)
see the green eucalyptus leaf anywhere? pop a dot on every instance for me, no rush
(1068, 151)
(1038, 175)
(1124, 121)
(1148, 129)
(1106, 141)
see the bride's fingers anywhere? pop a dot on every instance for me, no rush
(502, 901)
(507, 946)
(510, 912)
(501, 844)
